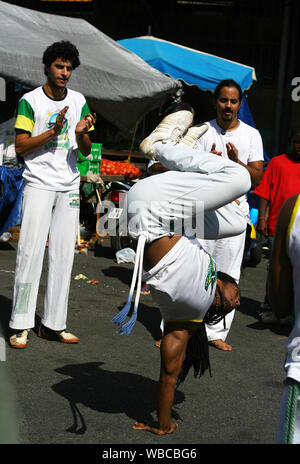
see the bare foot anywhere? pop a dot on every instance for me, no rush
(220, 344)
(157, 344)
(157, 431)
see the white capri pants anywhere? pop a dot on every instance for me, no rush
(56, 214)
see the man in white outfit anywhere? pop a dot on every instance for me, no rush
(231, 138)
(52, 124)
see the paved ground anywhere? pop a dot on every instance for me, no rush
(93, 392)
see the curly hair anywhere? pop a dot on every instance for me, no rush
(63, 49)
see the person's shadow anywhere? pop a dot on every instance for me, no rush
(109, 392)
(5, 305)
(251, 307)
(123, 273)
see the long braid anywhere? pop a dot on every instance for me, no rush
(197, 355)
(197, 352)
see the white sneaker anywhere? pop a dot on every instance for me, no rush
(172, 128)
(63, 336)
(193, 134)
(19, 339)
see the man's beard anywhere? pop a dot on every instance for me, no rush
(227, 118)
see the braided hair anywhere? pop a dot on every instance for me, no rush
(197, 352)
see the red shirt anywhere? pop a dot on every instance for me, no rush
(280, 181)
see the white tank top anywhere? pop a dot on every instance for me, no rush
(292, 363)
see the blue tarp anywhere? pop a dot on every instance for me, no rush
(11, 190)
(192, 66)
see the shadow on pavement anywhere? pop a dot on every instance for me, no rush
(104, 252)
(109, 392)
(148, 316)
(5, 305)
(119, 272)
(249, 307)
(278, 329)
(6, 246)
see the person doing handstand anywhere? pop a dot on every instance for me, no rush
(182, 277)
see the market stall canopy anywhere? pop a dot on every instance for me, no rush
(118, 84)
(192, 66)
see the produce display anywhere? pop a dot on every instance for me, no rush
(117, 168)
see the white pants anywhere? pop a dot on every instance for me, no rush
(45, 213)
(206, 181)
(228, 255)
(288, 427)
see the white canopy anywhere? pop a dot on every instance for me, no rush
(118, 84)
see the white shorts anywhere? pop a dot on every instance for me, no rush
(183, 282)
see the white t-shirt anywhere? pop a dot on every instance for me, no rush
(245, 138)
(53, 166)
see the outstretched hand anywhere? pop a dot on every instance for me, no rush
(84, 125)
(214, 151)
(60, 120)
(155, 430)
(232, 152)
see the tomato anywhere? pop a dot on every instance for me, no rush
(129, 170)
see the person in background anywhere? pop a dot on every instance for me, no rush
(231, 138)
(284, 284)
(52, 124)
(280, 181)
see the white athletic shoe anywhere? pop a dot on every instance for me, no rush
(19, 339)
(172, 128)
(63, 336)
(193, 134)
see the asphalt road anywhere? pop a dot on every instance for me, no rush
(93, 392)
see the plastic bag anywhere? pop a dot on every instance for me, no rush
(5, 237)
(126, 255)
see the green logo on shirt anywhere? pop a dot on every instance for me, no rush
(62, 140)
(211, 275)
